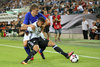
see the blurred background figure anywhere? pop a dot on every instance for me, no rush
(85, 26)
(46, 30)
(57, 25)
(93, 31)
(98, 27)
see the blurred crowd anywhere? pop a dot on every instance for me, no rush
(62, 6)
(6, 5)
(13, 28)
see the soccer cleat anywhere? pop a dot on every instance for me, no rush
(32, 58)
(42, 55)
(69, 54)
(23, 62)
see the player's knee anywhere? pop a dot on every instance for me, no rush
(36, 48)
(51, 43)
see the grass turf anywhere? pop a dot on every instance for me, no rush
(12, 57)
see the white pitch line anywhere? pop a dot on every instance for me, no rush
(47, 51)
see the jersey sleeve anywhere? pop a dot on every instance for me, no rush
(41, 15)
(26, 20)
(30, 29)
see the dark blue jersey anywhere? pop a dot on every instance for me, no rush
(29, 19)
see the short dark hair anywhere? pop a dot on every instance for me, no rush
(33, 7)
(41, 19)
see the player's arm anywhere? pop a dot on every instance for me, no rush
(47, 22)
(54, 19)
(24, 27)
(59, 18)
(31, 28)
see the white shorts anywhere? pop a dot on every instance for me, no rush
(27, 37)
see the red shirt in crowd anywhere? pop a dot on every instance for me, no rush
(83, 4)
(75, 9)
(57, 24)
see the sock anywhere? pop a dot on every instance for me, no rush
(27, 50)
(30, 55)
(41, 52)
(42, 49)
(59, 50)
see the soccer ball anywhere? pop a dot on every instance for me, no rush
(74, 58)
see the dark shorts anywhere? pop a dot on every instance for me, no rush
(47, 29)
(57, 31)
(42, 43)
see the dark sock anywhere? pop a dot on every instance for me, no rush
(41, 52)
(27, 50)
(42, 49)
(59, 50)
(30, 55)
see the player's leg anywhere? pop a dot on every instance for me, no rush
(55, 35)
(26, 47)
(43, 48)
(32, 53)
(26, 38)
(47, 31)
(59, 34)
(59, 50)
(41, 53)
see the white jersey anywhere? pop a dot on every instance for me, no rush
(84, 25)
(34, 33)
(26, 37)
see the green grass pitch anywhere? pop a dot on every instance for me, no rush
(12, 53)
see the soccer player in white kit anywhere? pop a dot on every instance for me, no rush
(38, 42)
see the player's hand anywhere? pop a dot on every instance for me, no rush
(30, 25)
(56, 19)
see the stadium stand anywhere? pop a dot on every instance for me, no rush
(12, 12)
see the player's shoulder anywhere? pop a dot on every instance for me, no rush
(40, 14)
(28, 13)
(35, 23)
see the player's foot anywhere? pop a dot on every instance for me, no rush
(47, 38)
(55, 40)
(42, 55)
(59, 39)
(69, 54)
(32, 58)
(23, 62)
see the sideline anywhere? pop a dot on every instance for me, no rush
(47, 51)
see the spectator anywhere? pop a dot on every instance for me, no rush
(86, 11)
(57, 25)
(98, 27)
(67, 13)
(80, 9)
(46, 30)
(85, 26)
(93, 31)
